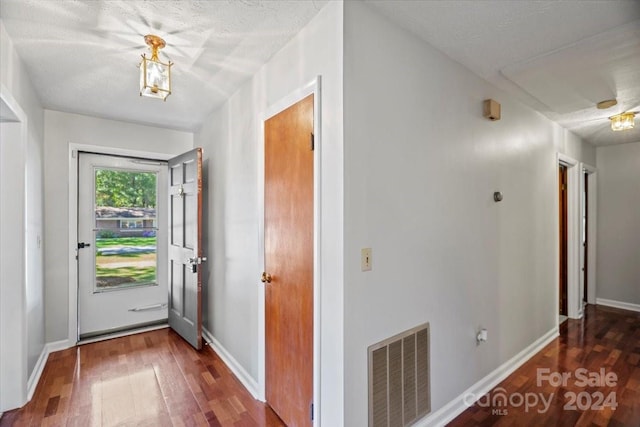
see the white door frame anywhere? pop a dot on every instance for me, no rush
(314, 87)
(13, 310)
(592, 173)
(574, 304)
(73, 219)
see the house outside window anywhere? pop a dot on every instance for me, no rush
(131, 223)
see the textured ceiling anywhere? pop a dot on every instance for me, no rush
(571, 81)
(558, 57)
(82, 55)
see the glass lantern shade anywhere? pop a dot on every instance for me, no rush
(155, 78)
(622, 121)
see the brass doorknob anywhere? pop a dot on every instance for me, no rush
(266, 278)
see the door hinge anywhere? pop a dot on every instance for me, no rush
(311, 412)
(313, 142)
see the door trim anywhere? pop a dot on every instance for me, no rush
(73, 334)
(592, 173)
(313, 87)
(574, 306)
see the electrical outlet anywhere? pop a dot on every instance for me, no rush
(365, 259)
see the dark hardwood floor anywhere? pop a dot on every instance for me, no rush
(148, 379)
(156, 379)
(606, 344)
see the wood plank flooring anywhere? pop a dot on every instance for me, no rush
(148, 379)
(606, 342)
(156, 379)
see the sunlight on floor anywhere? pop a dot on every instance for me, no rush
(133, 398)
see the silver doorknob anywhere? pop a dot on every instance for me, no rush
(266, 277)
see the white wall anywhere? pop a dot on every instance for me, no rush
(13, 324)
(421, 166)
(35, 250)
(570, 144)
(24, 193)
(231, 140)
(618, 261)
(61, 129)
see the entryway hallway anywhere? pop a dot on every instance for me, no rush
(149, 379)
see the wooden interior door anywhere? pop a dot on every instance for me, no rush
(562, 191)
(288, 228)
(185, 246)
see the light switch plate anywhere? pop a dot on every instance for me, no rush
(365, 259)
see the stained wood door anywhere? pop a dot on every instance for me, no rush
(562, 191)
(288, 228)
(185, 246)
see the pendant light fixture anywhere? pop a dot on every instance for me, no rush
(623, 121)
(155, 76)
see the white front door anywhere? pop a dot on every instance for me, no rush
(185, 246)
(122, 270)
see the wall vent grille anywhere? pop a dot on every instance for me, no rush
(399, 380)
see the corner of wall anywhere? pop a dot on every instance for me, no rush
(15, 80)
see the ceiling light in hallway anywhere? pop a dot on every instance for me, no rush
(155, 76)
(623, 121)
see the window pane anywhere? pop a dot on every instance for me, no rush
(125, 236)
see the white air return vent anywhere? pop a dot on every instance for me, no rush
(399, 391)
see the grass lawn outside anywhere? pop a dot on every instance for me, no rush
(125, 262)
(125, 241)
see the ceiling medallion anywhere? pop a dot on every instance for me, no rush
(603, 105)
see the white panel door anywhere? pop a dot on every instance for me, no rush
(122, 270)
(185, 246)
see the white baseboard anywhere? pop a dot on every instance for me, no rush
(243, 376)
(455, 407)
(618, 304)
(52, 347)
(34, 378)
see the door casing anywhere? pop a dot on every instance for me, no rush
(584, 200)
(591, 207)
(314, 87)
(73, 222)
(574, 247)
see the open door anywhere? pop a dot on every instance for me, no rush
(185, 246)
(563, 249)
